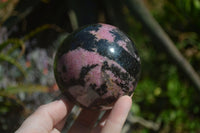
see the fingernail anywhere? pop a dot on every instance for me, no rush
(102, 123)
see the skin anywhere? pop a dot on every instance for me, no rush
(50, 118)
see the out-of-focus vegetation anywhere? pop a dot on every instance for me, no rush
(30, 31)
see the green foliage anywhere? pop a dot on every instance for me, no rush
(40, 29)
(188, 6)
(163, 95)
(6, 9)
(5, 54)
(12, 56)
(13, 62)
(27, 88)
(6, 51)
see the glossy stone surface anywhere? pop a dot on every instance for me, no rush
(95, 65)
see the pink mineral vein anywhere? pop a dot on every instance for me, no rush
(104, 33)
(123, 44)
(75, 60)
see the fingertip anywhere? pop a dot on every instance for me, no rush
(67, 103)
(124, 101)
(126, 98)
(46, 117)
(118, 115)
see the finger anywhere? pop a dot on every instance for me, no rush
(45, 117)
(55, 131)
(61, 124)
(118, 115)
(68, 104)
(85, 121)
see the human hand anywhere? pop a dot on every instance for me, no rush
(50, 118)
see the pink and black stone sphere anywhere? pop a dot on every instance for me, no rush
(95, 65)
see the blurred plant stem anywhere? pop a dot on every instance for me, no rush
(139, 10)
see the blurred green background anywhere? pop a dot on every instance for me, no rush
(164, 101)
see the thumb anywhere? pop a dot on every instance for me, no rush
(44, 118)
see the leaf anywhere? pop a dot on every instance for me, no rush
(196, 4)
(13, 62)
(27, 88)
(11, 91)
(3, 4)
(188, 5)
(7, 8)
(40, 29)
(17, 43)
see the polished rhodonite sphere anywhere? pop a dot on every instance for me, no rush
(95, 65)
